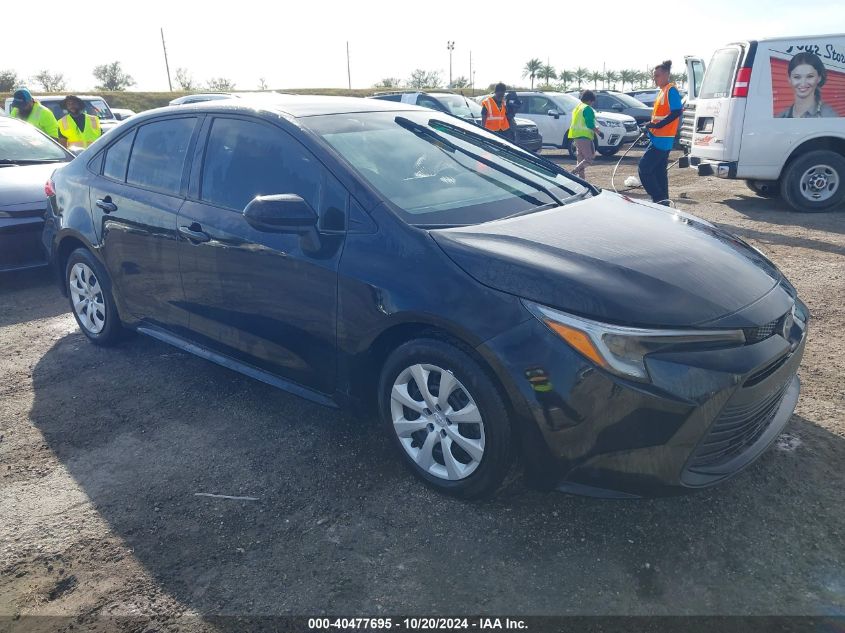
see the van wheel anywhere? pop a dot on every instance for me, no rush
(764, 188)
(89, 290)
(446, 418)
(813, 182)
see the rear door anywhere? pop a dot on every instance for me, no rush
(266, 299)
(537, 108)
(134, 202)
(719, 115)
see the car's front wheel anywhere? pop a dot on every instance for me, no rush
(89, 291)
(608, 151)
(446, 417)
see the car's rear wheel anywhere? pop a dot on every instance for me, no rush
(447, 417)
(89, 292)
(814, 181)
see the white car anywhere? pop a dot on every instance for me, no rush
(552, 112)
(121, 114)
(94, 104)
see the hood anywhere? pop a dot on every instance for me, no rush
(615, 116)
(615, 260)
(524, 122)
(24, 184)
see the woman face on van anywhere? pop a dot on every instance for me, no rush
(804, 80)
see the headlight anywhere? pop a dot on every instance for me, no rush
(622, 350)
(606, 123)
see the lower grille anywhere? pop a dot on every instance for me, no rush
(735, 429)
(687, 125)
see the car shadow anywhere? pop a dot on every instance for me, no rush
(334, 522)
(783, 240)
(30, 295)
(776, 211)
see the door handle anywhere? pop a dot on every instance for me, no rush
(106, 204)
(194, 233)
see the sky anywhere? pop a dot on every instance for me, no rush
(303, 44)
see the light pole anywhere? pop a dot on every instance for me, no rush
(450, 46)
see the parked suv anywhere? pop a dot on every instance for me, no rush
(613, 101)
(552, 112)
(527, 132)
(93, 105)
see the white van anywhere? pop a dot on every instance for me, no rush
(772, 112)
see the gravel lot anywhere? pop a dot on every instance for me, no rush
(103, 452)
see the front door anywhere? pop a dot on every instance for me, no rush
(134, 202)
(267, 299)
(552, 127)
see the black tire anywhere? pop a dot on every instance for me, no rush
(798, 194)
(570, 147)
(112, 329)
(764, 188)
(498, 440)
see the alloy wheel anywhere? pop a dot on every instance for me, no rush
(437, 421)
(87, 298)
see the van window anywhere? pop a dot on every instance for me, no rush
(719, 78)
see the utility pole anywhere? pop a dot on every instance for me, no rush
(471, 83)
(450, 46)
(348, 68)
(166, 64)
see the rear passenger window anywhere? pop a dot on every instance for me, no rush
(117, 157)
(245, 159)
(158, 155)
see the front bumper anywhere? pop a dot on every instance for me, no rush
(532, 143)
(705, 416)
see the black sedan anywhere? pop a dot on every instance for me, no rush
(482, 299)
(27, 158)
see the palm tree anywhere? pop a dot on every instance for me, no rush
(548, 73)
(678, 78)
(627, 77)
(642, 78)
(532, 69)
(611, 76)
(565, 76)
(581, 75)
(596, 76)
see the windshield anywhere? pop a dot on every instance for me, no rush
(24, 143)
(475, 108)
(437, 171)
(628, 100)
(456, 105)
(719, 78)
(564, 102)
(97, 107)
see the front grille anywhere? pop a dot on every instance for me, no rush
(527, 132)
(760, 333)
(735, 429)
(687, 125)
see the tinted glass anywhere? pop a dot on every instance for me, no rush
(540, 105)
(428, 102)
(21, 141)
(433, 184)
(603, 102)
(456, 105)
(389, 97)
(117, 157)
(158, 155)
(719, 78)
(245, 159)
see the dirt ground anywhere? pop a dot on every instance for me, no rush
(103, 453)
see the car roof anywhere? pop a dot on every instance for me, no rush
(295, 106)
(61, 97)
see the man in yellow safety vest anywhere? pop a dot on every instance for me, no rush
(77, 129)
(27, 109)
(582, 132)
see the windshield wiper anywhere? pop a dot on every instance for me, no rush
(424, 130)
(507, 149)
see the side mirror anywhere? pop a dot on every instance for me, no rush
(118, 116)
(554, 113)
(280, 213)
